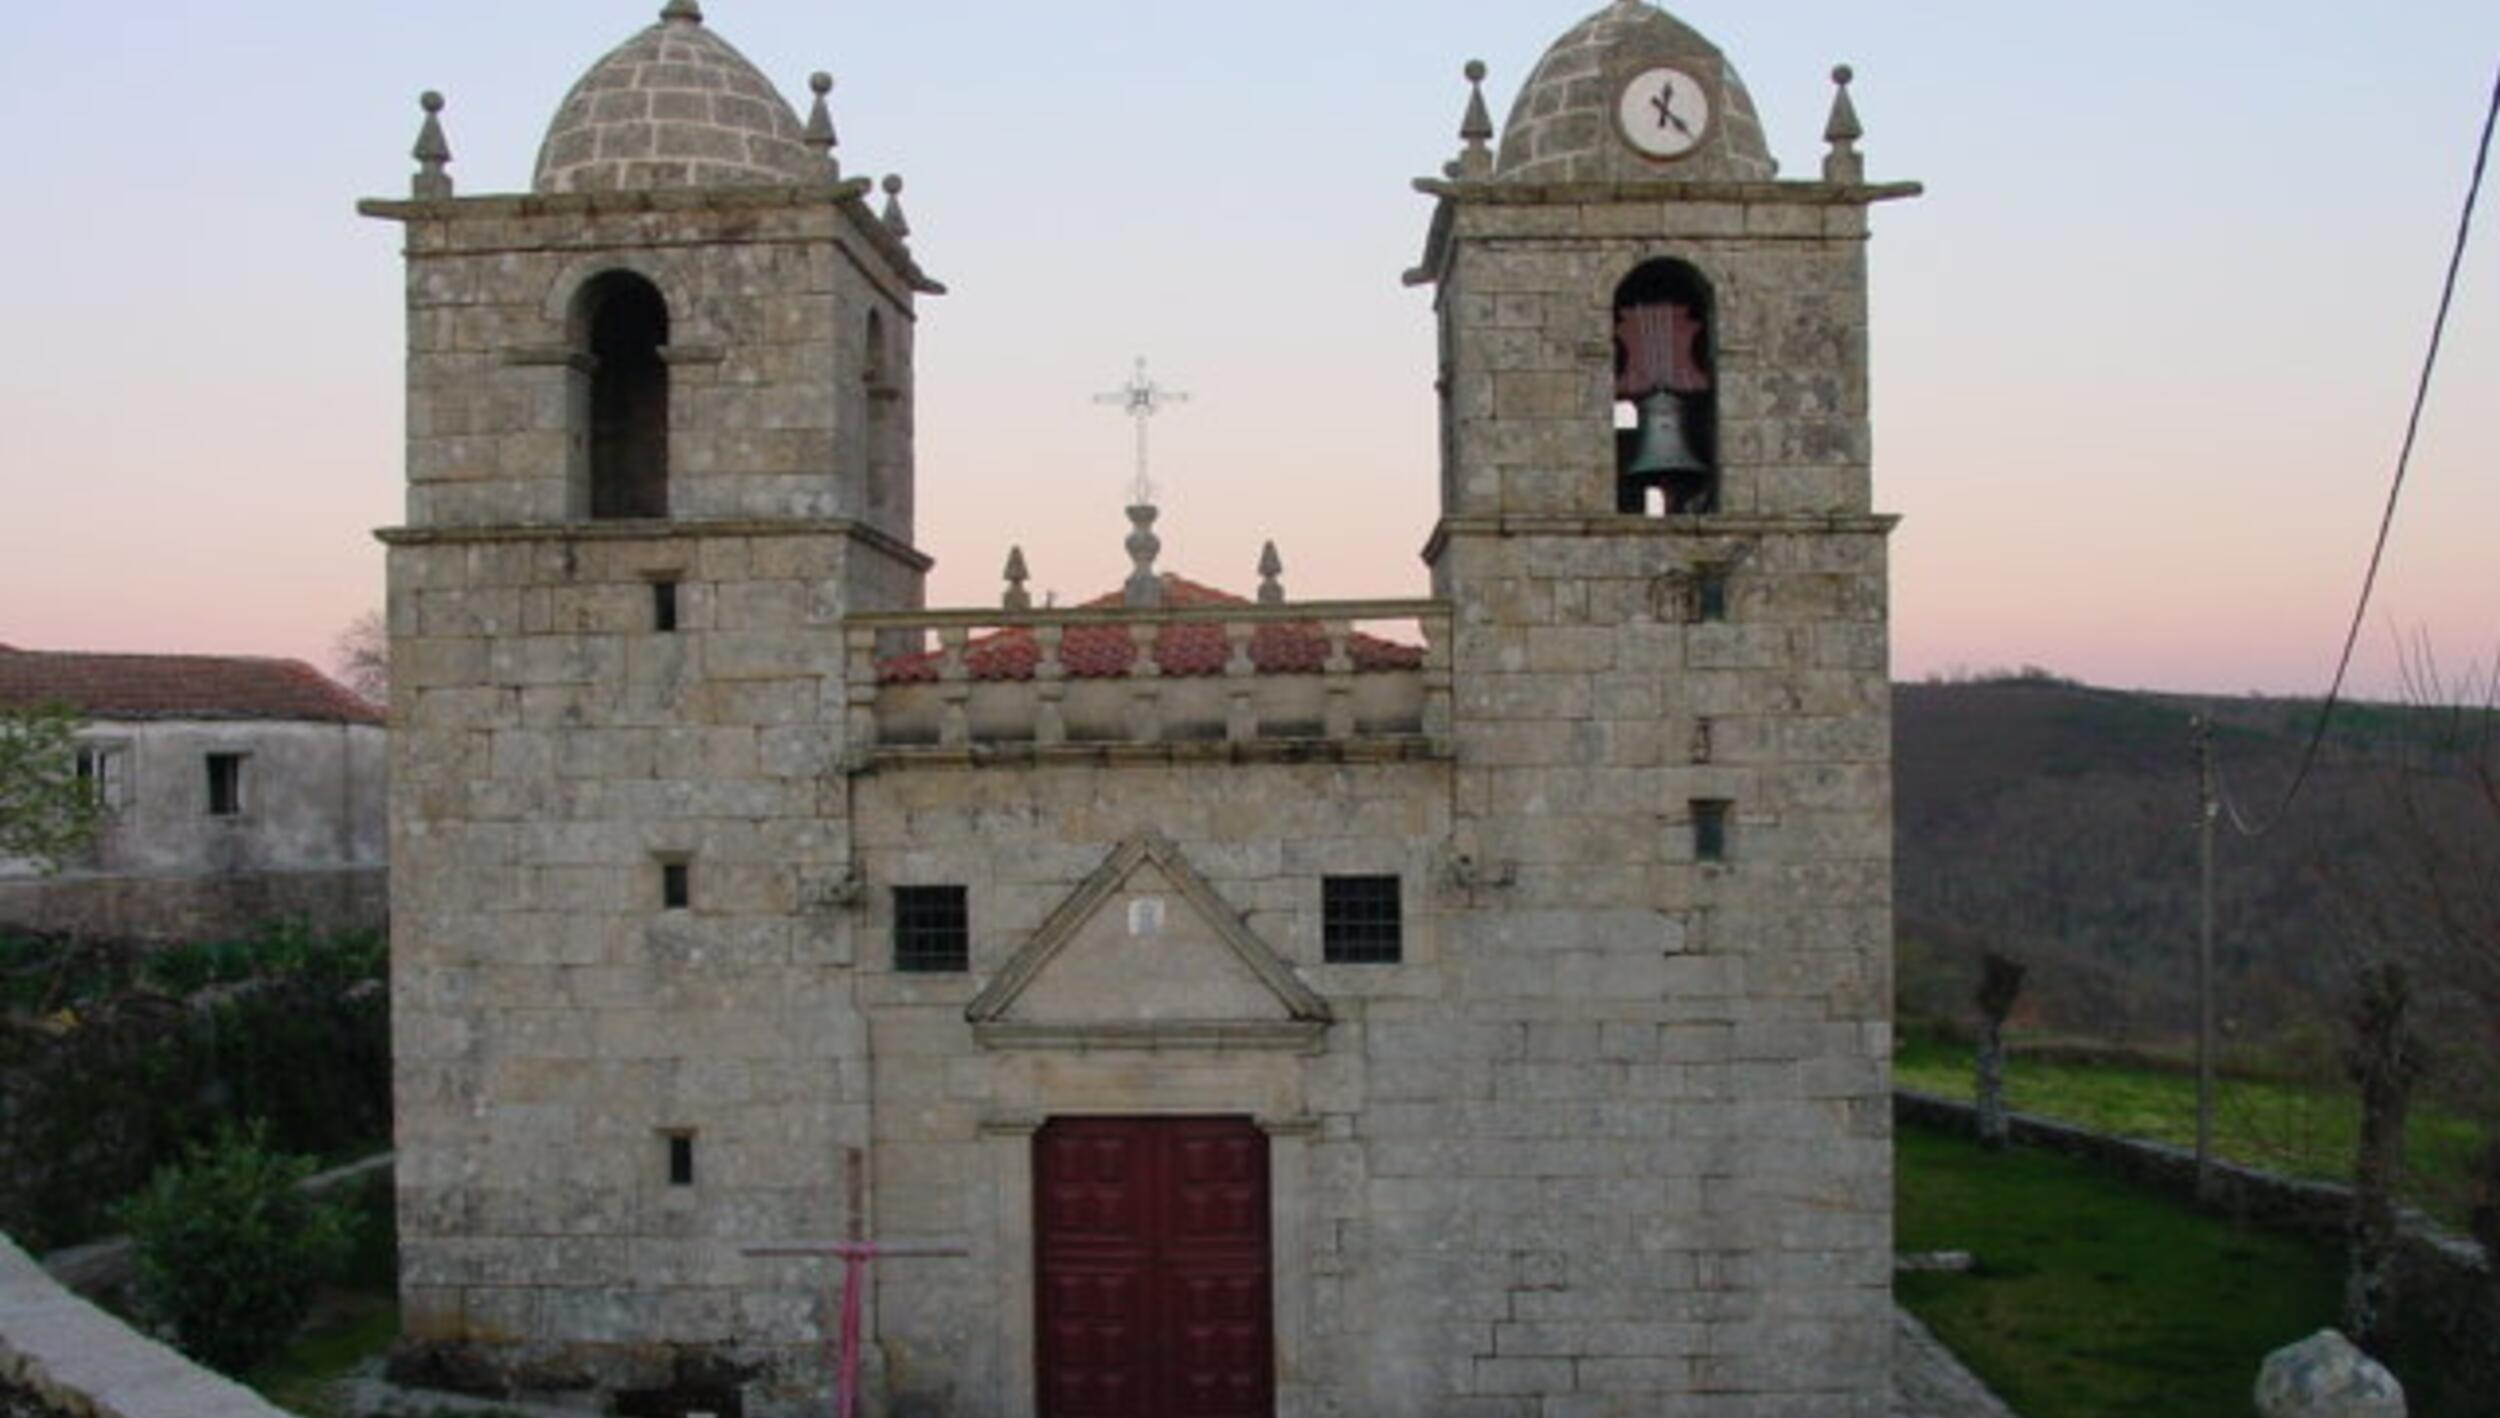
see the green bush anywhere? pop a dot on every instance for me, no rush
(230, 1248)
(102, 1081)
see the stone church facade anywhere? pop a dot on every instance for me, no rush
(1266, 1013)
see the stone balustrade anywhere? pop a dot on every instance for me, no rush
(1230, 680)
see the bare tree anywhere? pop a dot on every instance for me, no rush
(2384, 1061)
(2425, 892)
(362, 657)
(2000, 984)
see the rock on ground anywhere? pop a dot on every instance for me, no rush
(2326, 1376)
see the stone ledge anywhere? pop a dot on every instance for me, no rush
(1509, 525)
(1498, 192)
(656, 530)
(86, 1362)
(846, 198)
(1379, 748)
(1298, 1036)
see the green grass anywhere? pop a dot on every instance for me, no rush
(348, 1329)
(353, 1322)
(2094, 1297)
(2295, 1129)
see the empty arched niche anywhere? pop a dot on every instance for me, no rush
(622, 321)
(1666, 391)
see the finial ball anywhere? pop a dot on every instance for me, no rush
(893, 184)
(821, 82)
(1476, 71)
(1842, 74)
(430, 101)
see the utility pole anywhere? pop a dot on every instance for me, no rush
(2208, 810)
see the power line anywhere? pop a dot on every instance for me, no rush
(2395, 490)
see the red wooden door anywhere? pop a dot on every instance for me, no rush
(1151, 1240)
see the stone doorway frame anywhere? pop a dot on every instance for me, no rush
(1007, 1154)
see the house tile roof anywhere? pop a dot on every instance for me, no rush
(1180, 649)
(178, 687)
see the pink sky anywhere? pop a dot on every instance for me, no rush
(2142, 357)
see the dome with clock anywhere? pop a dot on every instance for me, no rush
(675, 106)
(1634, 94)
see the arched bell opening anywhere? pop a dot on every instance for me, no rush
(621, 323)
(1666, 393)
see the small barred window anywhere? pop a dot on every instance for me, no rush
(932, 930)
(1360, 920)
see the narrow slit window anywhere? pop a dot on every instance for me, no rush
(676, 886)
(664, 606)
(1710, 824)
(1710, 595)
(225, 785)
(932, 930)
(1361, 921)
(680, 1159)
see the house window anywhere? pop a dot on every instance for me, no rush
(676, 886)
(101, 775)
(1710, 822)
(225, 784)
(680, 1158)
(1360, 921)
(932, 930)
(663, 606)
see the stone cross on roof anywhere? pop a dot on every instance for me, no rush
(1141, 400)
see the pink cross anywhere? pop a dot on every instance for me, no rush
(854, 1256)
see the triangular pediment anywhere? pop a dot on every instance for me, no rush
(1145, 954)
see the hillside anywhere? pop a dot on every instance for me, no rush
(2057, 822)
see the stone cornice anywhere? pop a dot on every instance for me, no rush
(1756, 194)
(1287, 612)
(657, 531)
(847, 199)
(1453, 194)
(593, 204)
(1363, 749)
(1297, 1036)
(1711, 528)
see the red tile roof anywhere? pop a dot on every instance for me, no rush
(1188, 648)
(178, 687)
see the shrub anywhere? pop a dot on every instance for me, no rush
(230, 1248)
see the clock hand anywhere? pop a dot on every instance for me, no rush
(1665, 104)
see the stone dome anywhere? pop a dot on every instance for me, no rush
(1562, 128)
(675, 106)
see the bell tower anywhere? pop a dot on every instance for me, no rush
(659, 449)
(1670, 667)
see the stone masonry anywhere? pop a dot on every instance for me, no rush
(1607, 1135)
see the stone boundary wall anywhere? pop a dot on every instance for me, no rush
(178, 909)
(87, 1363)
(2441, 1278)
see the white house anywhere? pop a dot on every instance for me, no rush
(235, 791)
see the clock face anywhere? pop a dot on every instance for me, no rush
(1665, 112)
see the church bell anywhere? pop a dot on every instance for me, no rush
(1659, 453)
(1663, 452)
